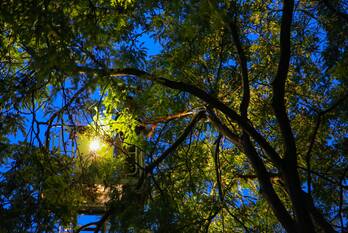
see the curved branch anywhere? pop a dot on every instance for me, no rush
(234, 30)
(317, 215)
(278, 85)
(266, 187)
(60, 111)
(291, 176)
(102, 221)
(199, 93)
(262, 174)
(85, 226)
(223, 129)
(175, 145)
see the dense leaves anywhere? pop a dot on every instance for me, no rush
(240, 108)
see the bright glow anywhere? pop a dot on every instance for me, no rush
(95, 145)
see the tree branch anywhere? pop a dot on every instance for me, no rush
(317, 215)
(85, 226)
(168, 117)
(266, 187)
(290, 173)
(175, 145)
(313, 136)
(278, 85)
(308, 155)
(102, 221)
(234, 30)
(262, 174)
(217, 167)
(199, 93)
(223, 129)
(60, 111)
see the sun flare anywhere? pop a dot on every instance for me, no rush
(95, 145)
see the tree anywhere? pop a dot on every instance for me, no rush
(241, 112)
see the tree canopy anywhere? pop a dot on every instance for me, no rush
(239, 107)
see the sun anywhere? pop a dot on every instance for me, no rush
(95, 145)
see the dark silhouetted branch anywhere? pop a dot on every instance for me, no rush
(178, 142)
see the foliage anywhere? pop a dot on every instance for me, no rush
(240, 110)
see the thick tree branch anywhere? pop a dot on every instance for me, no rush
(163, 119)
(168, 117)
(98, 224)
(223, 129)
(102, 221)
(234, 30)
(266, 187)
(83, 228)
(290, 173)
(291, 177)
(262, 174)
(278, 85)
(317, 215)
(175, 145)
(199, 93)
